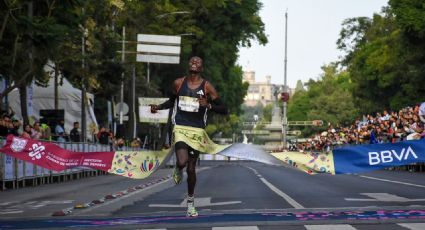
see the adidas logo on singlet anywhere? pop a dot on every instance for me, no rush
(200, 92)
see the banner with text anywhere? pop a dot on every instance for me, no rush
(137, 164)
(360, 158)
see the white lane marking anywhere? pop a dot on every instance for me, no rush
(383, 197)
(153, 229)
(330, 227)
(11, 212)
(285, 196)
(236, 228)
(132, 193)
(394, 181)
(413, 226)
(199, 202)
(30, 205)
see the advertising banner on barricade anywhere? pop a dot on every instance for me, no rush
(145, 114)
(29, 169)
(132, 164)
(360, 158)
(50, 156)
(20, 174)
(9, 168)
(39, 171)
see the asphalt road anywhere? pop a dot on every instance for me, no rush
(248, 194)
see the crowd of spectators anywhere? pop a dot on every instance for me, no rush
(389, 126)
(9, 124)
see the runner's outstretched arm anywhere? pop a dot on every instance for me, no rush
(170, 102)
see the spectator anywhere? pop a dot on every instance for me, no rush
(5, 125)
(136, 143)
(373, 138)
(390, 126)
(46, 132)
(104, 136)
(74, 135)
(36, 132)
(119, 144)
(14, 130)
(27, 131)
(386, 116)
(60, 131)
(421, 112)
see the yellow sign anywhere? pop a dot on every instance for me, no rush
(137, 165)
(308, 162)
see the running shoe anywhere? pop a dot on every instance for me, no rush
(191, 210)
(177, 175)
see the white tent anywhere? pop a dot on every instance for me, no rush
(69, 101)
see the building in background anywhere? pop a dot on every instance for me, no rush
(261, 92)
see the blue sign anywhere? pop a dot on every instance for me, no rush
(377, 156)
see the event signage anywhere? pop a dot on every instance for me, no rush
(141, 164)
(145, 114)
(9, 168)
(158, 48)
(29, 169)
(50, 156)
(359, 158)
(20, 169)
(377, 156)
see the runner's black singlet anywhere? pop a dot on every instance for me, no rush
(187, 110)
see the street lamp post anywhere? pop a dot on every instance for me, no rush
(83, 84)
(285, 86)
(122, 77)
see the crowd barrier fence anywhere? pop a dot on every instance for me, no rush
(15, 173)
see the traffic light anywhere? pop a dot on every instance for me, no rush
(284, 96)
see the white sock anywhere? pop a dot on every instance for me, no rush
(190, 198)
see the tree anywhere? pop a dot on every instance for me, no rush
(328, 99)
(216, 29)
(28, 34)
(299, 86)
(386, 58)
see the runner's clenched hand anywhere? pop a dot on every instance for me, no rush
(203, 101)
(154, 108)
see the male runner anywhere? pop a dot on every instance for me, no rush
(190, 99)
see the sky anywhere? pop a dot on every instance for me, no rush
(313, 29)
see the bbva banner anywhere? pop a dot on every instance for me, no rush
(359, 158)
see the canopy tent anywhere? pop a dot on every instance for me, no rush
(69, 101)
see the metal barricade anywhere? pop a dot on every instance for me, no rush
(15, 173)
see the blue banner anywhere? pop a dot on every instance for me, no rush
(363, 158)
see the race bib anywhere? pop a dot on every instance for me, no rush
(188, 104)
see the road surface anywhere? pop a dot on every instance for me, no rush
(229, 195)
